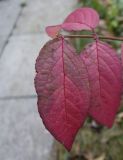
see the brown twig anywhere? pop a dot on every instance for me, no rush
(92, 36)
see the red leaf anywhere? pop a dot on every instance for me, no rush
(52, 31)
(104, 70)
(122, 54)
(122, 64)
(62, 87)
(81, 19)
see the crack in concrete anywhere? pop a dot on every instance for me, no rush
(18, 97)
(11, 32)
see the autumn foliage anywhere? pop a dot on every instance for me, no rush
(71, 86)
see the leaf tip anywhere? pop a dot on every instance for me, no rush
(52, 31)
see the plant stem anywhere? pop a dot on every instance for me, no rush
(92, 36)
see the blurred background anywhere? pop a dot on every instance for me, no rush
(22, 34)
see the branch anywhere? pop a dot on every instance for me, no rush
(92, 36)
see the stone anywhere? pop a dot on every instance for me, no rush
(36, 16)
(22, 134)
(9, 11)
(17, 64)
(2, 43)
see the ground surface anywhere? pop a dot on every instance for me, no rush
(22, 23)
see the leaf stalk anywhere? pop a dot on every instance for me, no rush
(112, 38)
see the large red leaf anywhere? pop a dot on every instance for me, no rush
(104, 71)
(81, 19)
(122, 54)
(122, 64)
(62, 86)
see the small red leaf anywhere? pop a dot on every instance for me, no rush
(104, 70)
(81, 19)
(62, 86)
(52, 31)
